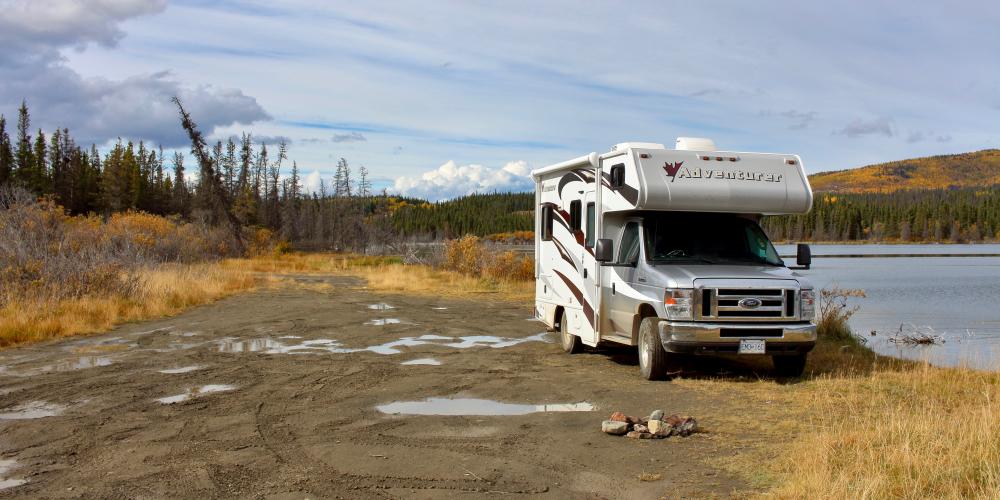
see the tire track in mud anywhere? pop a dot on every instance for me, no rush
(306, 424)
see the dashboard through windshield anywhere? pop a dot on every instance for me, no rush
(707, 238)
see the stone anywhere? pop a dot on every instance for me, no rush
(688, 426)
(639, 435)
(618, 417)
(614, 427)
(640, 428)
(660, 428)
(656, 415)
(683, 426)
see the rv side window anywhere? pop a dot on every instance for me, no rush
(575, 215)
(628, 252)
(547, 223)
(591, 219)
(618, 175)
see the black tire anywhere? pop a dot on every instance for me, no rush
(789, 366)
(570, 343)
(654, 361)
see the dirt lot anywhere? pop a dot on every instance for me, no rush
(291, 380)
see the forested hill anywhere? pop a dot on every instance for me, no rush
(948, 198)
(478, 214)
(977, 169)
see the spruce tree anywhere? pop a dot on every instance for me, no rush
(179, 198)
(23, 157)
(38, 181)
(229, 167)
(208, 170)
(6, 153)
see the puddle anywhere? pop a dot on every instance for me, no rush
(70, 364)
(184, 369)
(470, 406)
(251, 345)
(319, 346)
(32, 410)
(290, 337)
(422, 361)
(5, 480)
(440, 308)
(186, 334)
(383, 321)
(381, 306)
(80, 363)
(195, 392)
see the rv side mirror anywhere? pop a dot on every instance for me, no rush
(803, 255)
(604, 250)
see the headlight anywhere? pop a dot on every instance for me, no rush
(808, 304)
(678, 303)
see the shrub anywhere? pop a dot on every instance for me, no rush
(464, 255)
(834, 312)
(468, 255)
(46, 255)
(509, 266)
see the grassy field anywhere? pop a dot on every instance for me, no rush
(161, 291)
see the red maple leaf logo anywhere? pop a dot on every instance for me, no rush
(672, 168)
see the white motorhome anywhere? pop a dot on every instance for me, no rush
(661, 249)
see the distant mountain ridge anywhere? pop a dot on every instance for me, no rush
(980, 168)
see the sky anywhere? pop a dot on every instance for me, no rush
(439, 99)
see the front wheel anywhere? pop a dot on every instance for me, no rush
(654, 361)
(570, 343)
(789, 366)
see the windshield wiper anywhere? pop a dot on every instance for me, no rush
(703, 260)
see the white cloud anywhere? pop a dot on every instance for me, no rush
(33, 34)
(311, 182)
(48, 23)
(451, 181)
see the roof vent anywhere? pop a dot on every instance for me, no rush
(636, 145)
(695, 144)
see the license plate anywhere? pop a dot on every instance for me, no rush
(752, 346)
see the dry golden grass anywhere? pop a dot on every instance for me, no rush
(169, 289)
(862, 426)
(399, 278)
(389, 274)
(164, 291)
(916, 432)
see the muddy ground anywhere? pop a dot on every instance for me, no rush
(290, 383)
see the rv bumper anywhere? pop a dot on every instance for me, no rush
(724, 338)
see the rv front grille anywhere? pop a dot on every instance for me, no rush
(747, 304)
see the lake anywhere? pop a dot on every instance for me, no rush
(956, 297)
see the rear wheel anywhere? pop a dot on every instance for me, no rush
(789, 366)
(654, 361)
(570, 343)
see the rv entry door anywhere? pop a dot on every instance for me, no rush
(591, 270)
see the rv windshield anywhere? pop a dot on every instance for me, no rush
(707, 238)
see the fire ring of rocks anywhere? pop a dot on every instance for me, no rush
(656, 426)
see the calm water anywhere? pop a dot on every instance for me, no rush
(957, 298)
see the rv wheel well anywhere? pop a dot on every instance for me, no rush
(645, 311)
(557, 323)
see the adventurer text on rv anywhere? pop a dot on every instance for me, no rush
(662, 249)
